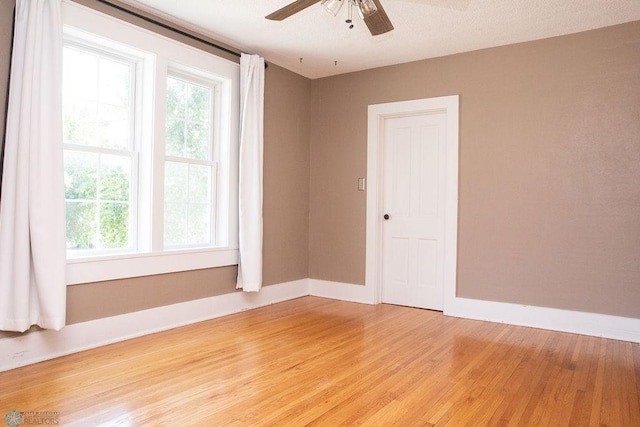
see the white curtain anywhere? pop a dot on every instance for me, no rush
(32, 217)
(250, 179)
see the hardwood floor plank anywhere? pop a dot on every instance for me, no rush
(315, 361)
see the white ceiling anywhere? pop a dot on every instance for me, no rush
(423, 28)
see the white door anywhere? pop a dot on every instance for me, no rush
(413, 229)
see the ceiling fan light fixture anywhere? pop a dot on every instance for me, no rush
(332, 6)
(366, 8)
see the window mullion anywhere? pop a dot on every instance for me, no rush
(100, 150)
(157, 152)
(190, 161)
(98, 241)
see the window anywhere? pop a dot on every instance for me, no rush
(100, 158)
(150, 151)
(189, 189)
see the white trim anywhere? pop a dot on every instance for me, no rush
(342, 291)
(376, 116)
(38, 346)
(87, 270)
(576, 322)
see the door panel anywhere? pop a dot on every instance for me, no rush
(413, 197)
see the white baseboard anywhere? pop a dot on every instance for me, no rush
(44, 345)
(577, 322)
(38, 346)
(592, 324)
(342, 291)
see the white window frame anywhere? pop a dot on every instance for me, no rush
(162, 56)
(133, 151)
(217, 235)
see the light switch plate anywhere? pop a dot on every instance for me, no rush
(360, 184)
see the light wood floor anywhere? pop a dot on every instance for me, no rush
(314, 361)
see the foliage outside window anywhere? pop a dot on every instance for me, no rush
(100, 160)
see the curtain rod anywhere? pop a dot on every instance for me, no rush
(170, 28)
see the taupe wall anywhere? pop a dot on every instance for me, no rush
(286, 176)
(549, 210)
(104, 299)
(286, 194)
(549, 196)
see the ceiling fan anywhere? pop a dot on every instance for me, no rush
(371, 11)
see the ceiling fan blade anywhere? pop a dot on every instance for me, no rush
(291, 9)
(379, 22)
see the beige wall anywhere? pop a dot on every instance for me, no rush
(549, 196)
(286, 176)
(549, 178)
(286, 207)
(104, 299)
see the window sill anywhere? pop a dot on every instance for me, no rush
(98, 269)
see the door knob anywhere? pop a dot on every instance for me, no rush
(386, 216)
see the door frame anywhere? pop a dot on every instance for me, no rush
(377, 114)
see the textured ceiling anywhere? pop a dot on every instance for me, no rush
(423, 28)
